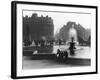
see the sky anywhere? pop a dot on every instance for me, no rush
(60, 19)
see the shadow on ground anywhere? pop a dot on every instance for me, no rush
(53, 59)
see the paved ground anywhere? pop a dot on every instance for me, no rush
(35, 63)
(40, 60)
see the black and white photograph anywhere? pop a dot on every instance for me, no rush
(55, 39)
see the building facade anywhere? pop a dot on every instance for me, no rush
(37, 28)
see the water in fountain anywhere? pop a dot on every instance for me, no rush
(73, 34)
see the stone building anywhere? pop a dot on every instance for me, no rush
(83, 35)
(35, 28)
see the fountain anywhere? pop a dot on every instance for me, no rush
(62, 53)
(72, 33)
(72, 40)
